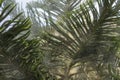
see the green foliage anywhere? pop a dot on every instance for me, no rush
(87, 34)
(83, 41)
(1, 2)
(20, 57)
(39, 11)
(17, 53)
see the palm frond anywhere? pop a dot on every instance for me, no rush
(87, 25)
(87, 31)
(15, 49)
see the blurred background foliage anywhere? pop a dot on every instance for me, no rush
(60, 40)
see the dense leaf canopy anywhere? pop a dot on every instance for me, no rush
(71, 40)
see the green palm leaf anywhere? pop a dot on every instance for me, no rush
(17, 54)
(87, 31)
(87, 26)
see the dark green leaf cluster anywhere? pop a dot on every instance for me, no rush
(18, 55)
